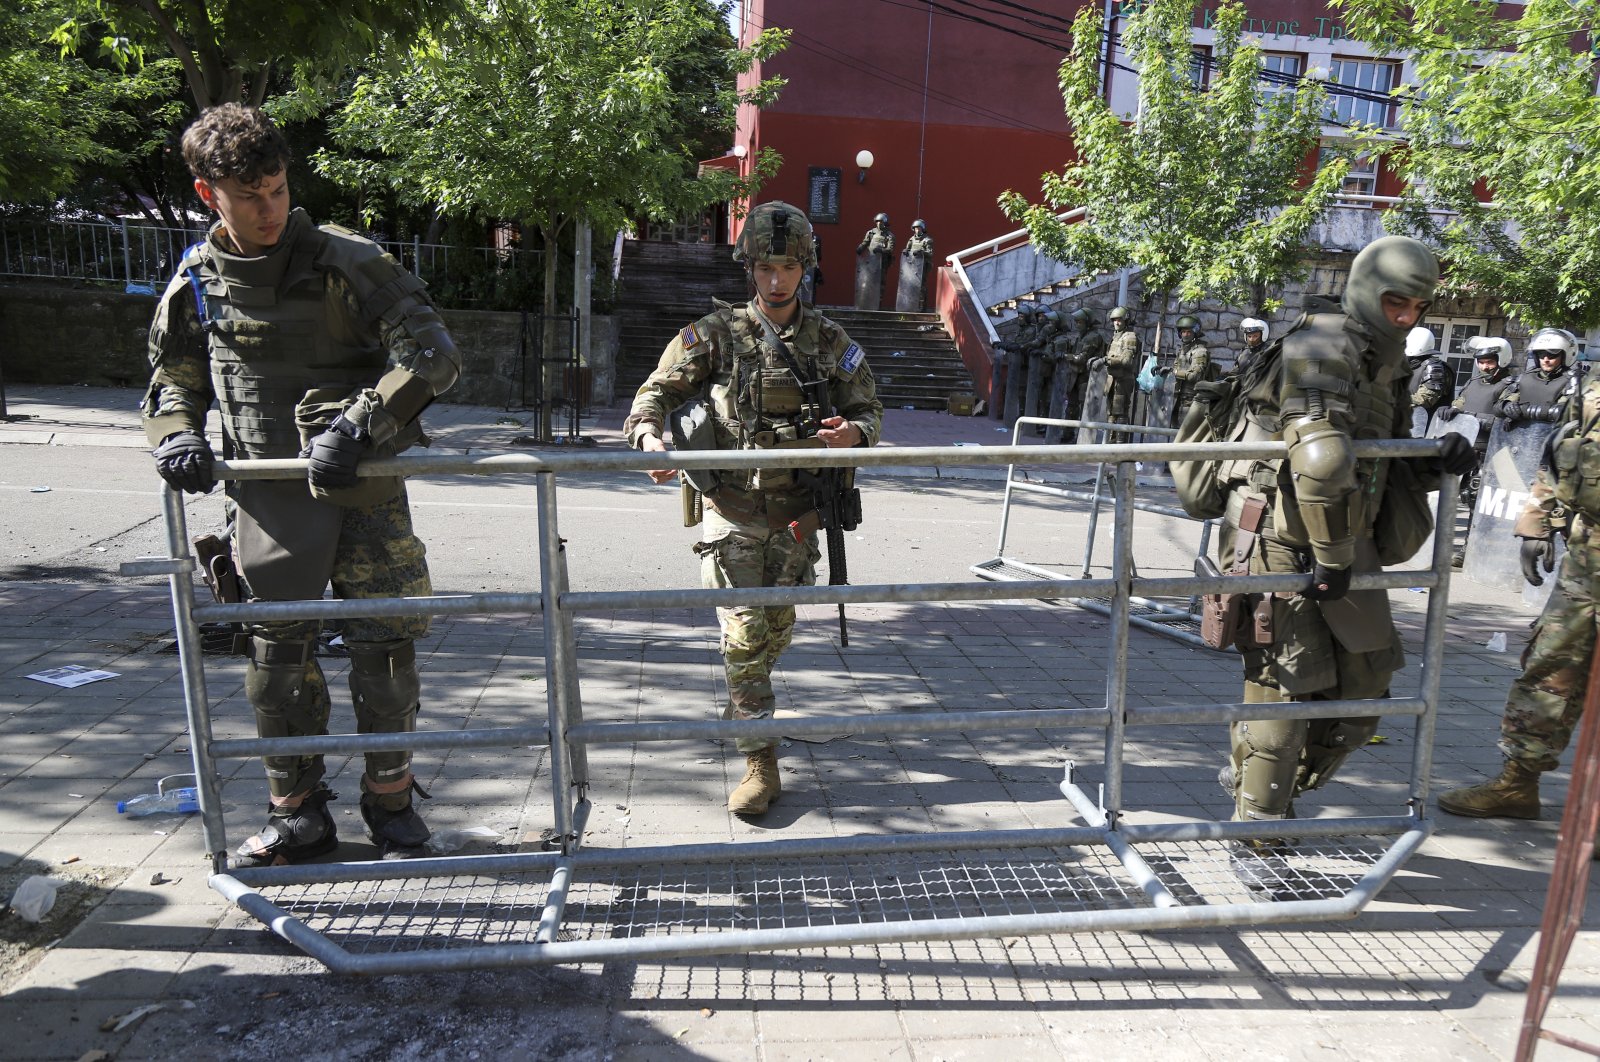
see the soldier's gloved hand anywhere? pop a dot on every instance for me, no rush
(335, 453)
(1456, 456)
(1095, 364)
(184, 459)
(1536, 551)
(1328, 584)
(1514, 411)
(1448, 413)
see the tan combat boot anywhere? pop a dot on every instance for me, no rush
(1513, 795)
(761, 785)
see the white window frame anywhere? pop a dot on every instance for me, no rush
(1362, 73)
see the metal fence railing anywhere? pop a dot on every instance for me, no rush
(580, 901)
(144, 257)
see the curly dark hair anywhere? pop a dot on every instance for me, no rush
(232, 140)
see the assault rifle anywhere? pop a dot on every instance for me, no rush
(836, 505)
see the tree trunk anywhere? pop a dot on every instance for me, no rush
(549, 232)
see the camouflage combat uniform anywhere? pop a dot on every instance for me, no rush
(757, 405)
(1122, 370)
(1193, 366)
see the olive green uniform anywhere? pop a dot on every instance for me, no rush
(1193, 365)
(323, 323)
(756, 404)
(1122, 370)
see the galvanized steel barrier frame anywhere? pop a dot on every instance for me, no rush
(1094, 498)
(568, 733)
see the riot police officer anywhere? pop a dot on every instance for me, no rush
(314, 343)
(758, 367)
(1255, 334)
(1542, 393)
(1432, 383)
(1192, 366)
(910, 295)
(1121, 361)
(1340, 378)
(873, 255)
(1480, 398)
(1090, 345)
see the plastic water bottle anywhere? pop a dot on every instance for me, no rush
(178, 801)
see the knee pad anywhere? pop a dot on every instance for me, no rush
(285, 688)
(1330, 743)
(1267, 759)
(386, 690)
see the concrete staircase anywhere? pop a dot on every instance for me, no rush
(914, 360)
(665, 286)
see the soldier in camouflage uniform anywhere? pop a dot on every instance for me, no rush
(758, 367)
(1340, 377)
(1193, 365)
(1122, 368)
(1546, 700)
(314, 343)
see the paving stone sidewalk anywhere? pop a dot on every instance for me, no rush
(1434, 969)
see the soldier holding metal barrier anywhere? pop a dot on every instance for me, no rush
(770, 374)
(314, 343)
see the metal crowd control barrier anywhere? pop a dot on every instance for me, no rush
(582, 904)
(1162, 617)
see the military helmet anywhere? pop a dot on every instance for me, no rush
(1421, 341)
(880, 217)
(1488, 347)
(917, 224)
(1083, 316)
(776, 232)
(1554, 339)
(1391, 265)
(1189, 322)
(1027, 309)
(1053, 317)
(1254, 324)
(1119, 313)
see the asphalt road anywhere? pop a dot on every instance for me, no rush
(102, 507)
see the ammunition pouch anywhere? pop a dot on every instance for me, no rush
(1243, 621)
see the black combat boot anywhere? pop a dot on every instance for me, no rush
(393, 824)
(292, 835)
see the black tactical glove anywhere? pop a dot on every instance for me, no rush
(1456, 456)
(1448, 413)
(1514, 411)
(1535, 551)
(1328, 584)
(184, 460)
(1096, 364)
(335, 453)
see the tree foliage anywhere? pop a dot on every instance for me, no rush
(69, 121)
(1207, 188)
(546, 110)
(230, 50)
(1506, 104)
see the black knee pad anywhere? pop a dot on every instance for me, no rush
(1331, 742)
(385, 686)
(278, 685)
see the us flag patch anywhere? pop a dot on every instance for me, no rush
(853, 356)
(689, 336)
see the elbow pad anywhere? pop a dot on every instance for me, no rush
(1323, 466)
(436, 360)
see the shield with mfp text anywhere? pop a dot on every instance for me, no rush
(1510, 464)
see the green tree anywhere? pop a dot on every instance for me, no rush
(231, 50)
(1207, 188)
(553, 111)
(66, 118)
(1506, 105)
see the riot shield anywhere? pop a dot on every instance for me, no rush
(908, 295)
(1033, 400)
(1061, 387)
(1016, 376)
(1158, 407)
(1419, 423)
(1465, 425)
(1096, 402)
(1509, 466)
(869, 281)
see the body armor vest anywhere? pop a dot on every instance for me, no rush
(1191, 364)
(280, 339)
(1483, 393)
(1538, 389)
(755, 395)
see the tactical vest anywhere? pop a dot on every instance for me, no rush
(1190, 361)
(1538, 389)
(757, 401)
(1482, 394)
(285, 352)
